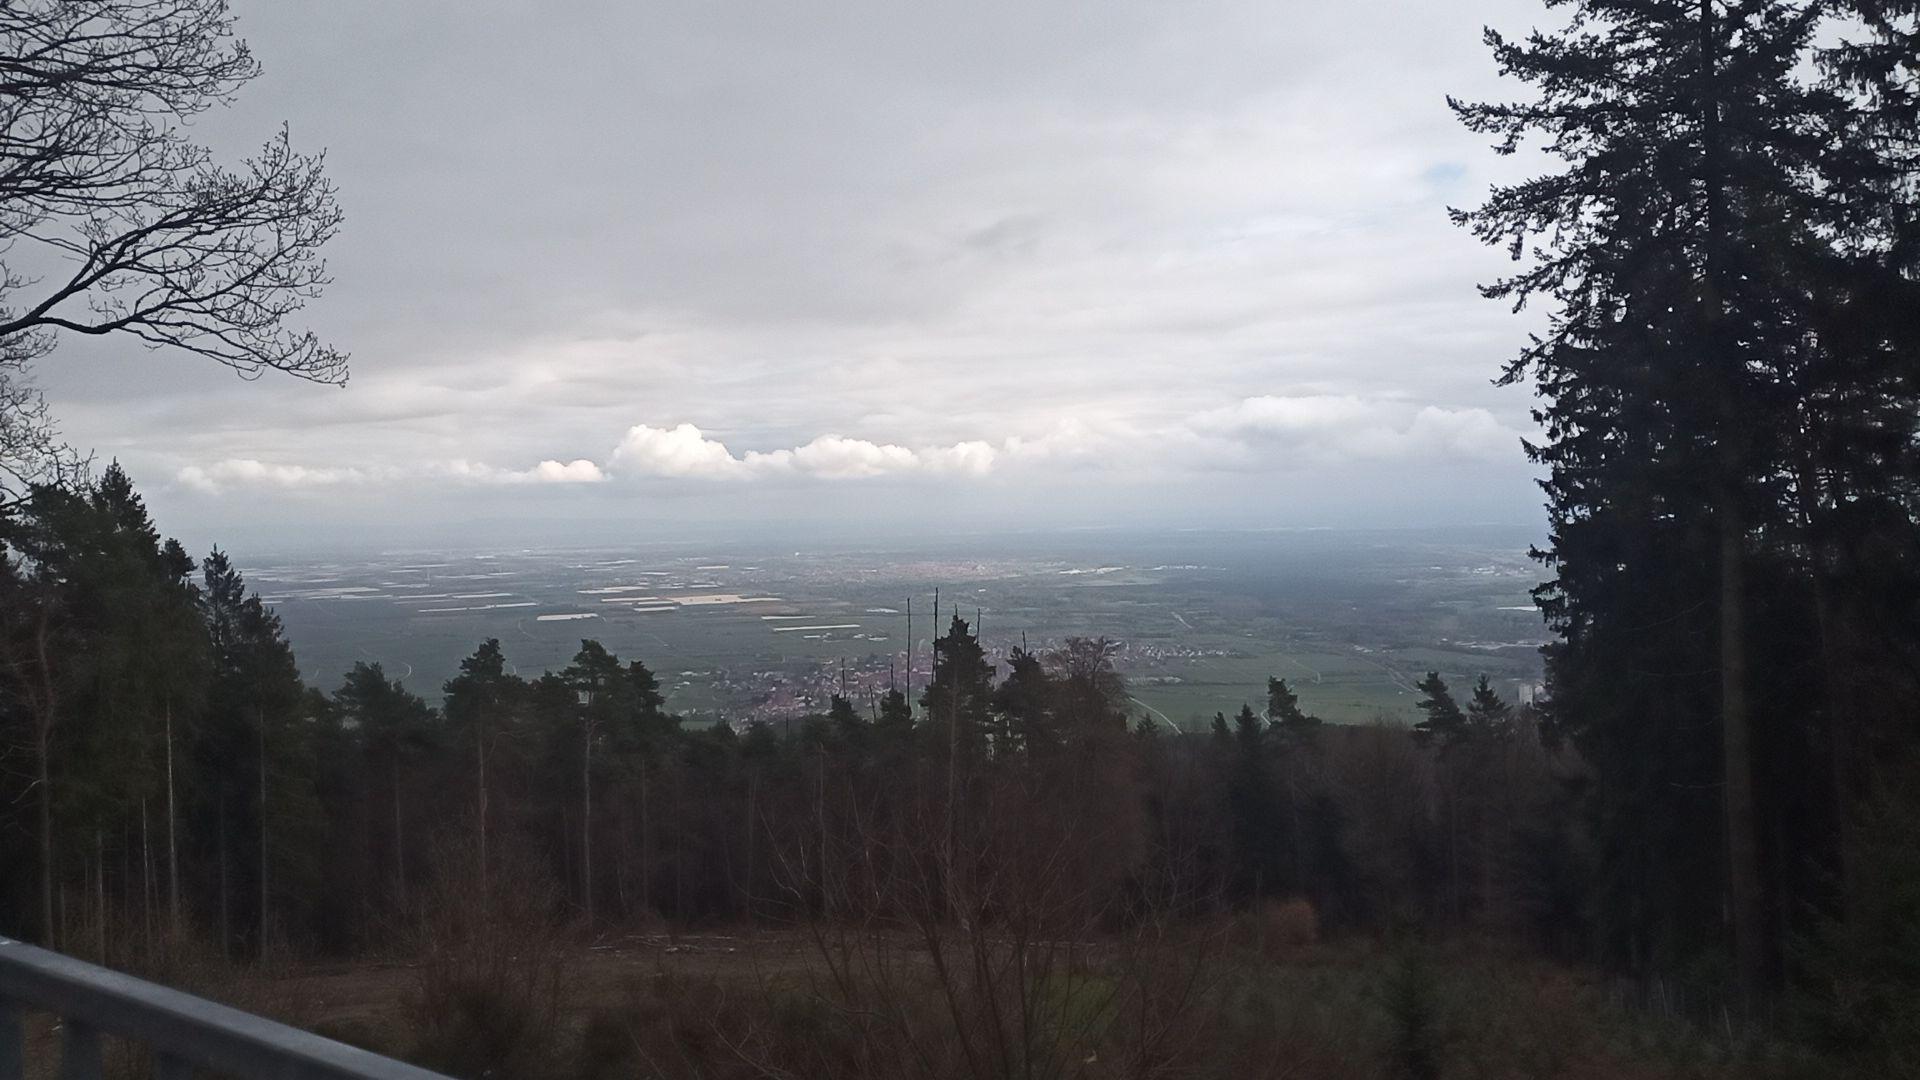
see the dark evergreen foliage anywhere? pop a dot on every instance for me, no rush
(1728, 247)
(322, 821)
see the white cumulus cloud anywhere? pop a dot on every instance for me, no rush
(685, 452)
(578, 471)
(676, 452)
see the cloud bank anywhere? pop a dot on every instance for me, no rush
(250, 474)
(1263, 433)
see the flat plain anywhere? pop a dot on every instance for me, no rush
(750, 631)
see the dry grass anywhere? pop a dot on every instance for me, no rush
(1334, 1010)
(1279, 930)
(488, 998)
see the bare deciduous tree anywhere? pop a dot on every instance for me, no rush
(113, 221)
(31, 450)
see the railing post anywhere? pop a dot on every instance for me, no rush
(13, 1043)
(79, 1051)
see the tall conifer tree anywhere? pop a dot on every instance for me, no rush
(1710, 219)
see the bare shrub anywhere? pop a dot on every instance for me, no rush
(492, 964)
(1281, 929)
(1020, 943)
(1415, 1049)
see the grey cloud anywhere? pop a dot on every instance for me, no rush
(1039, 225)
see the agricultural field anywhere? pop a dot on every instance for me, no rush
(1351, 619)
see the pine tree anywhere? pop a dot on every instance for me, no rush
(483, 704)
(603, 693)
(1024, 703)
(394, 727)
(959, 697)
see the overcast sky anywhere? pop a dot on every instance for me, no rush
(643, 269)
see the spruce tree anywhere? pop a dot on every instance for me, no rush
(1686, 245)
(1488, 715)
(1442, 722)
(1285, 714)
(1260, 832)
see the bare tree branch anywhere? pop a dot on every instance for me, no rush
(156, 240)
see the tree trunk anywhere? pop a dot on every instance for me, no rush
(753, 791)
(45, 784)
(1298, 833)
(146, 881)
(127, 877)
(1736, 722)
(366, 875)
(646, 842)
(226, 919)
(623, 857)
(399, 843)
(173, 843)
(679, 887)
(263, 835)
(480, 814)
(43, 747)
(820, 817)
(950, 856)
(1453, 845)
(1743, 847)
(586, 824)
(1840, 708)
(99, 898)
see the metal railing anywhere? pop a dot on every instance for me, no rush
(184, 1032)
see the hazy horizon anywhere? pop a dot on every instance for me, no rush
(260, 546)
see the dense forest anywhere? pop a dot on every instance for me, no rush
(175, 785)
(1719, 791)
(173, 775)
